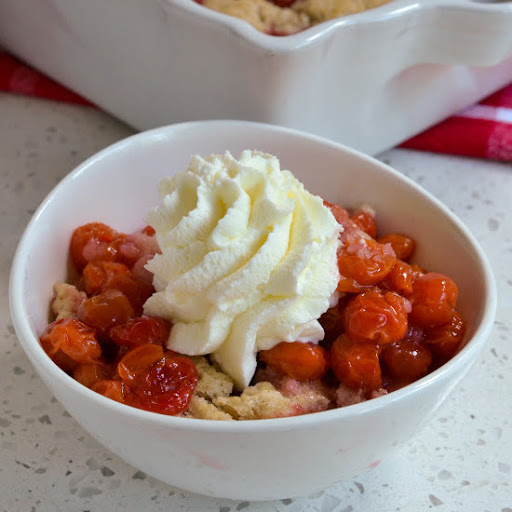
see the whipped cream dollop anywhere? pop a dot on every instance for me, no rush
(248, 260)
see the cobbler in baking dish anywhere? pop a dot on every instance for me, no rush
(285, 17)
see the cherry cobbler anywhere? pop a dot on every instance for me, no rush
(394, 323)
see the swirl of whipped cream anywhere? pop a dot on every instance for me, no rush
(248, 260)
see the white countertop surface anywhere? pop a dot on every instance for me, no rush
(460, 461)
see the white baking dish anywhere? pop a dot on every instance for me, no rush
(369, 80)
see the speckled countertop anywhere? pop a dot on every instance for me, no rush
(462, 461)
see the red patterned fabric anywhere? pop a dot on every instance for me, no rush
(17, 78)
(482, 131)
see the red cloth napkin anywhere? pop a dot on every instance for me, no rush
(17, 78)
(482, 131)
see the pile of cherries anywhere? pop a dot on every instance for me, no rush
(109, 345)
(393, 324)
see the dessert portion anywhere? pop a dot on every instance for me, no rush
(285, 17)
(248, 298)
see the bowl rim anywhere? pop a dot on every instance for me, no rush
(31, 345)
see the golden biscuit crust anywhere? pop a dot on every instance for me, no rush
(262, 15)
(66, 300)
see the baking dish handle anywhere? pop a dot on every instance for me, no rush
(467, 32)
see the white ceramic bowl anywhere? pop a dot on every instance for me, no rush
(252, 460)
(369, 80)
